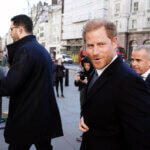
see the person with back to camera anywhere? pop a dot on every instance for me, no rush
(141, 62)
(81, 80)
(59, 74)
(33, 116)
(116, 108)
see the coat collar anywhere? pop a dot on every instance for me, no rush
(148, 80)
(14, 47)
(103, 78)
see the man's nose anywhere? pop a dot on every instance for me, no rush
(95, 50)
(133, 63)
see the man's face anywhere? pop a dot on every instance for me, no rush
(140, 62)
(87, 66)
(14, 32)
(100, 48)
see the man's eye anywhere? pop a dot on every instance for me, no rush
(90, 46)
(101, 44)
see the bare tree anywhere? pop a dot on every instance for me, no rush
(36, 11)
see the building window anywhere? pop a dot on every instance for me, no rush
(117, 24)
(117, 8)
(57, 39)
(135, 5)
(41, 28)
(148, 4)
(148, 21)
(147, 42)
(134, 24)
(41, 34)
(132, 45)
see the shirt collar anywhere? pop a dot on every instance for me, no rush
(100, 71)
(145, 75)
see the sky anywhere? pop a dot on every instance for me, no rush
(10, 8)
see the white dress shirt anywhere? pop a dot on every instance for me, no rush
(145, 75)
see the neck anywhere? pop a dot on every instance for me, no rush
(24, 35)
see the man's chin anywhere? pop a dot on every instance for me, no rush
(97, 66)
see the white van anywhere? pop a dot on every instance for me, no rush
(65, 58)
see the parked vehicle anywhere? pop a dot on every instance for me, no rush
(65, 58)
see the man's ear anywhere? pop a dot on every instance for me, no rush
(115, 42)
(21, 30)
(149, 63)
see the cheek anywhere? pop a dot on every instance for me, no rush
(89, 53)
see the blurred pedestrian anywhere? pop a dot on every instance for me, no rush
(81, 80)
(141, 62)
(82, 77)
(33, 113)
(59, 74)
(116, 109)
(54, 68)
(2, 75)
(3, 62)
(3, 59)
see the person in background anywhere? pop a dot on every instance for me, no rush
(81, 80)
(116, 109)
(141, 62)
(3, 62)
(59, 74)
(2, 75)
(3, 59)
(54, 67)
(33, 116)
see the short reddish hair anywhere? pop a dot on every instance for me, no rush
(94, 24)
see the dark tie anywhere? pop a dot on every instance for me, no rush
(94, 78)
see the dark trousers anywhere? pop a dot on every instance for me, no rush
(59, 80)
(45, 145)
(0, 108)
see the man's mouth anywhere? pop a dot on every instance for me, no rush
(96, 59)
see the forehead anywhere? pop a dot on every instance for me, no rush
(97, 33)
(86, 63)
(142, 53)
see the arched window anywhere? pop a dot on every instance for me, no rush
(147, 42)
(132, 45)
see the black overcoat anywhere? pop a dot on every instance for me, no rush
(117, 111)
(33, 112)
(148, 80)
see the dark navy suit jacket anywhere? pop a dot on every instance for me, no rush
(117, 111)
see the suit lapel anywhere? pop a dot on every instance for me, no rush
(97, 85)
(103, 79)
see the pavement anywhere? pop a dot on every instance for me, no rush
(75, 67)
(69, 108)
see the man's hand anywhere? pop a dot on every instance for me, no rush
(82, 126)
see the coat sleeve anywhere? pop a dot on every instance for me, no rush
(134, 113)
(18, 74)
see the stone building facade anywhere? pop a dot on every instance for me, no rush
(132, 18)
(76, 14)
